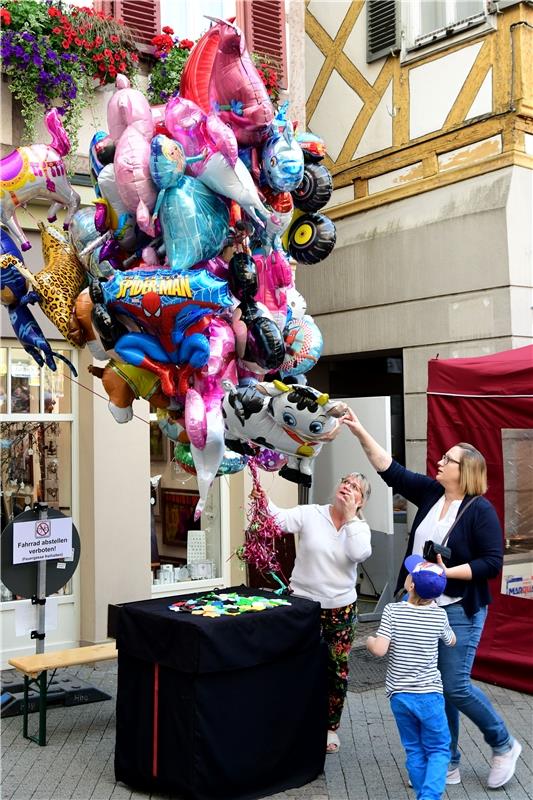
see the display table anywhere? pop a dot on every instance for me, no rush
(230, 708)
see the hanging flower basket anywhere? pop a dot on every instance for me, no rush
(53, 53)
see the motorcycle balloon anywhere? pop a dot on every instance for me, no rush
(315, 189)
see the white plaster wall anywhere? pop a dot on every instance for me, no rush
(482, 103)
(114, 507)
(429, 108)
(335, 113)
(329, 14)
(519, 214)
(378, 133)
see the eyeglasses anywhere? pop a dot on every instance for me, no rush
(446, 459)
(351, 484)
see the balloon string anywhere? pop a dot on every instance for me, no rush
(97, 394)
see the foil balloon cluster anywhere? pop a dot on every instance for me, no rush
(179, 275)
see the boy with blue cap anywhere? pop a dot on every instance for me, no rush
(410, 633)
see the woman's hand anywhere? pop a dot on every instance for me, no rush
(441, 564)
(333, 433)
(348, 504)
(257, 494)
(462, 572)
(351, 420)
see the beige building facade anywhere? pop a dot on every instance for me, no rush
(430, 142)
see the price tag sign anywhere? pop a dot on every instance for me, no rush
(42, 540)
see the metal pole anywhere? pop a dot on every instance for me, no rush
(41, 590)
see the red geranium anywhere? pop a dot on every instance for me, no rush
(5, 16)
(186, 44)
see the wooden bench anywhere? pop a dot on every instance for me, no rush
(35, 670)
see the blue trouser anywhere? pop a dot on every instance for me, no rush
(455, 665)
(423, 729)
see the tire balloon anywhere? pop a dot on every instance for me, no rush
(311, 238)
(315, 189)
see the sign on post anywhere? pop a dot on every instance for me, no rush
(42, 540)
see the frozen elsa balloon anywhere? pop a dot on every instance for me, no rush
(194, 220)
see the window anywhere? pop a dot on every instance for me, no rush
(427, 21)
(183, 551)
(263, 24)
(382, 27)
(417, 23)
(517, 574)
(141, 16)
(36, 437)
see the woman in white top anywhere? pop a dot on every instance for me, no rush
(333, 540)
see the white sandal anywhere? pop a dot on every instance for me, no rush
(333, 743)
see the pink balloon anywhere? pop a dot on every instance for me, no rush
(274, 276)
(195, 418)
(198, 133)
(195, 77)
(220, 168)
(130, 122)
(220, 367)
(236, 92)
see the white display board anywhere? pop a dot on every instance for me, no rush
(345, 455)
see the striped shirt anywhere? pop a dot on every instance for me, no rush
(414, 633)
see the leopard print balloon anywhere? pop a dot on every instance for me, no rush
(60, 281)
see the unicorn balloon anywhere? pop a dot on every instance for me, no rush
(37, 171)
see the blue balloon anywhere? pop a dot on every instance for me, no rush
(8, 246)
(194, 220)
(282, 158)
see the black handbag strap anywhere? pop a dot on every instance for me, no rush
(458, 517)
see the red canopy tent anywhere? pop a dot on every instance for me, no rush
(473, 400)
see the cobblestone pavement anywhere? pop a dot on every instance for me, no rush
(77, 764)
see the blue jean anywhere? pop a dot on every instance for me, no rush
(423, 729)
(455, 665)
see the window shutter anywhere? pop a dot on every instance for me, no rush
(263, 24)
(382, 28)
(142, 17)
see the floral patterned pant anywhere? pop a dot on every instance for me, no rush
(338, 631)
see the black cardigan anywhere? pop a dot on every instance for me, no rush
(477, 539)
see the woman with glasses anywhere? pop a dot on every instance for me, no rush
(333, 540)
(455, 498)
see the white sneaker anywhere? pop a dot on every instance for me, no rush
(453, 776)
(502, 767)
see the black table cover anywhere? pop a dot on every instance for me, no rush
(231, 708)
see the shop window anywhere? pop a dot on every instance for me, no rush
(184, 552)
(36, 438)
(517, 574)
